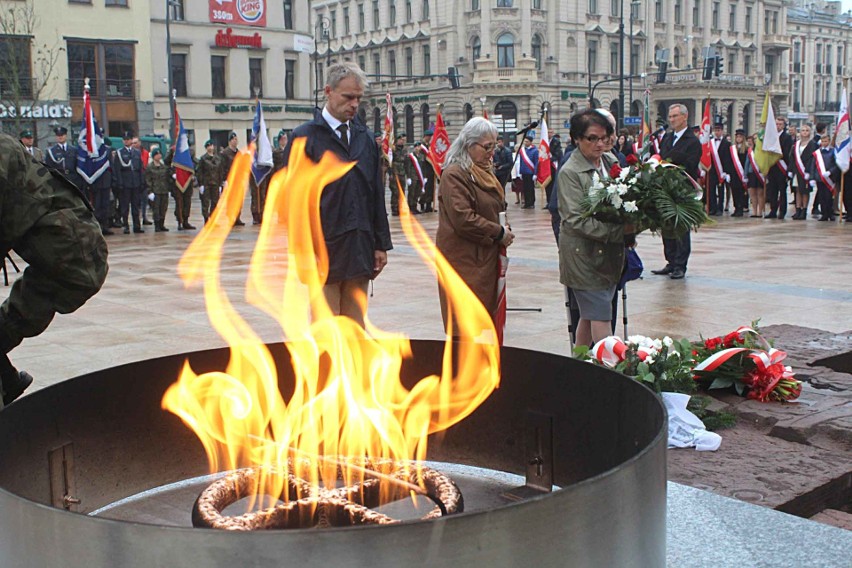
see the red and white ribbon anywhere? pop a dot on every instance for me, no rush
(417, 169)
(717, 161)
(738, 166)
(526, 159)
(800, 165)
(824, 175)
(754, 167)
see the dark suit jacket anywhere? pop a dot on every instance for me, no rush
(686, 153)
(352, 208)
(725, 160)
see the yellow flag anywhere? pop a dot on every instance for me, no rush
(767, 143)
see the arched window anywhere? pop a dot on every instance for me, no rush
(424, 117)
(468, 112)
(506, 50)
(745, 124)
(475, 49)
(377, 120)
(695, 58)
(536, 50)
(616, 112)
(509, 113)
(409, 123)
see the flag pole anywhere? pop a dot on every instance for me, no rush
(843, 177)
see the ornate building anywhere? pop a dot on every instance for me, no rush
(516, 57)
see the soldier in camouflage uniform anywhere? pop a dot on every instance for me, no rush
(400, 172)
(208, 172)
(183, 199)
(228, 154)
(159, 180)
(49, 223)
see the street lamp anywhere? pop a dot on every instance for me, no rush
(321, 29)
(621, 64)
(634, 7)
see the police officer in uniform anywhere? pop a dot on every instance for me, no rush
(208, 172)
(26, 139)
(158, 180)
(228, 154)
(183, 198)
(399, 168)
(38, 211)
(130, 183)
(62, 157)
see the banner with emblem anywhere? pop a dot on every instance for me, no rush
(261, 163)
(92, 153)
(238, 12)
(544, 173)
(439, 146)
(182, 161)
(704, 137)
(387, 132)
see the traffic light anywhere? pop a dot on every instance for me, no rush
(720, 68)
(661, 74)
(453, 75)
(709, 64)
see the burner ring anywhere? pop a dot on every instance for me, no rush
(312, 507)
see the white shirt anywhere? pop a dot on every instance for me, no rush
(678, 134)
(334, 123)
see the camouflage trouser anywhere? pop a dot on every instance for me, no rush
(209, 201)
(258, 199)
(414, 191)
(396, 183)
(183, 203)
(160, 207)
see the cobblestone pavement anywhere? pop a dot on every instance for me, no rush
(784, 272)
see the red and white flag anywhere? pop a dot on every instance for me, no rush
(704, 137)
(387, 132)
(439, 146)
(544, 174)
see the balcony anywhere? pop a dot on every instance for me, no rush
(487, 72)
(107, 88)
(827, 107)
(776, 42)
(19, 89)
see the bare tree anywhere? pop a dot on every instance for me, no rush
(27, 68)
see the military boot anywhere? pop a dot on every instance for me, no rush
(13, 383)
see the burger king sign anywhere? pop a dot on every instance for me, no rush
(238, 12)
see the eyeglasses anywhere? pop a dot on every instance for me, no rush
(596, 139)
(487, 147)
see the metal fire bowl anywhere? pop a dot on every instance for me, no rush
(102, 437)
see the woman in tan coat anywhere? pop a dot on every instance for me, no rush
(471, 199)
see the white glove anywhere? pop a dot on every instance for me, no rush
(702, 173)
(174, 176)
(813, 184)
(790, 175)
(807, 176)
(224, 185)
(151, 197)
(407, 182)
(745, 180)
(200, 190)
(728, 178)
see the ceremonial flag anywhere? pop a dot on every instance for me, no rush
(544, 174)
(704, 137)
(484, 113)
(261, 164)
(439, 146)
(182, 160)
(387, 132)
(645, 128)
(767, 143)
(92, 153)
(502, 268)
(842, 133)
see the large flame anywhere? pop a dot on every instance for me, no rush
(348, 400)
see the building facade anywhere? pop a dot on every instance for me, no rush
(517, 57)
(225, 53)
(54, 46)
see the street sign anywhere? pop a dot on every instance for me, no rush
(566, 124)
(632, 120)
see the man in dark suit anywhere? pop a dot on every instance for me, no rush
(352, 209)
(777, 179)
(681, 147)
(720, 165)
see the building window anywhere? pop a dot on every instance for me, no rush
(634, 59)
(119, 68)
(115, 3)
(658, 10)
(425, 10)
(732, 62)
(392, 12)
(535, 46)
(179, 73)
(748, 19)
(696, 13)
(593, 56)
(290, 78)
(427, 60)
(255, 76)
(392, 60)
(217, 75)
(474, 5)
(536, 4)
(504, 3)
(797, 52)
(475, 49)
(506, 50)
(376, 22)
(677, 11)
(426, 121)
(346, 30)
(362, 21)
(409, 12)
(593, 6)
(409, 61)
(288, 14)
(175, 8)
(747, 64)
(714, 16)
(468, 112)
(732, 19)
(362, 63)
(377, 65)
(796, 98)
(613, 58)
(614, 7)
(409, 123)
(695, 58)
(16, 69)
(839, 61)
(818, 93)
(677, 61)
(332, 25)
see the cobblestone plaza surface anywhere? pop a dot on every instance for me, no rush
(741, 269)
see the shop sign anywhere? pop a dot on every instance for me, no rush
(36, 110)
(228, 38)
(225, 108)
(238, 12)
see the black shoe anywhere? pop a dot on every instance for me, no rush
(127, 230)
(146, 222)
(106, 232)
(772, 215)
(824, 218)
(528, 207)
(239, 223)
(14, 386)
(395, 213)
(663, 271)
(677, 274)
(756, 216)
(180, 226)
(188, 227)
(138, 230)
(737, 213)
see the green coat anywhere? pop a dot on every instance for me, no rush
(591, 252)
(158, 178)
(48, 222)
